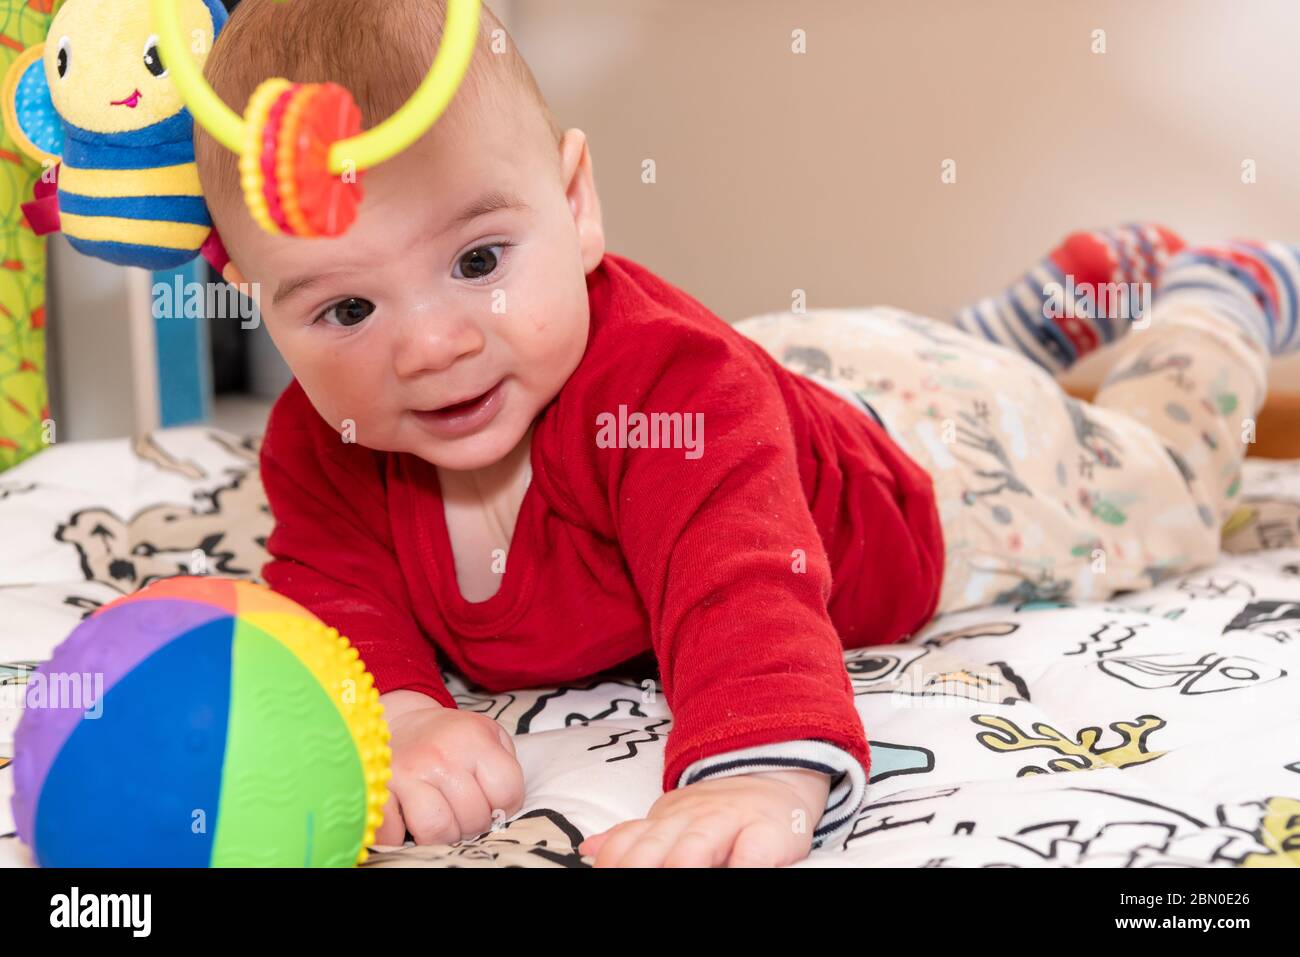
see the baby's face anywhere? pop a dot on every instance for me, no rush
(455, 307)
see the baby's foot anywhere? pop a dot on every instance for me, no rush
(1086, 293)
(1254, 284)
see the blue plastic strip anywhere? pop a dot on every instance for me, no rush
(181, 334)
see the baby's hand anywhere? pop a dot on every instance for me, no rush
(762, 819)
(451, 770)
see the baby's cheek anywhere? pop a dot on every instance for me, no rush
(341, 404)
(533, 337)
(545, 341)
(538, 322)
(566, 341)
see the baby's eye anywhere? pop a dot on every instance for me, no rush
(481, 262)
(152, 62)
(348, 312)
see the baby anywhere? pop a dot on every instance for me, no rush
(507, 446)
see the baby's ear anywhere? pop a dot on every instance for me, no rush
(232, 275)
(250, 290)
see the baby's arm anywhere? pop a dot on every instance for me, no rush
(731, 569)
(331, 552)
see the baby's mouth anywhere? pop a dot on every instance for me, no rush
(132, 101)
(456, 407)
(463, 417)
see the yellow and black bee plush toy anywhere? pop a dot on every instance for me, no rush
(94, 103)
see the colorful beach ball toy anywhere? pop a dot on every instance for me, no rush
(201, 722)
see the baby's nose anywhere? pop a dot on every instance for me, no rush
(434, 344)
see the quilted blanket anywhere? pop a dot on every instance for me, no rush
(1160, 728)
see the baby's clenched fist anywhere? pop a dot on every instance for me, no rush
(451, 770)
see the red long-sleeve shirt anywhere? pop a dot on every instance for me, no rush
(621, 551)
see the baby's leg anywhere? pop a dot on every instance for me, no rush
(1016, 463)
(1195, 380)
(1043, 497)
(1085, 294)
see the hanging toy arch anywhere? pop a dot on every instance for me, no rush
(301, 148)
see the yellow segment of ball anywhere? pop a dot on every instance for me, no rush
(250, 160)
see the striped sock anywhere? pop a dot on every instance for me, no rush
(1255, 284)
(1065, 307)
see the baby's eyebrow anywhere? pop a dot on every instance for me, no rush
(492, 201)
(291, 287)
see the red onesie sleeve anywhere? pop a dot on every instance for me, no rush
(332, 549)
(719, 540)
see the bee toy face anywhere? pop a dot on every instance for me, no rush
(102, 63)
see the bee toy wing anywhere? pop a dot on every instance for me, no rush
(29, 115)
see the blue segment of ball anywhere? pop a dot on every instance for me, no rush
(146, 774)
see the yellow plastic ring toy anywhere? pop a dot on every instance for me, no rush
(301, 147)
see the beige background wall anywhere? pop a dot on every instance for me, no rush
(820, 171)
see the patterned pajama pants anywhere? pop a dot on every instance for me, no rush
(1041, 496)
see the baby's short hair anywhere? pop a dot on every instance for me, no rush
(380, 50)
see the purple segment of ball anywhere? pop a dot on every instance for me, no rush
(112, 643)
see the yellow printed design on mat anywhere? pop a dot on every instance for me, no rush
(1279, 831)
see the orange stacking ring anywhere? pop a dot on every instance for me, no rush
(284, 163)
(284, 167)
